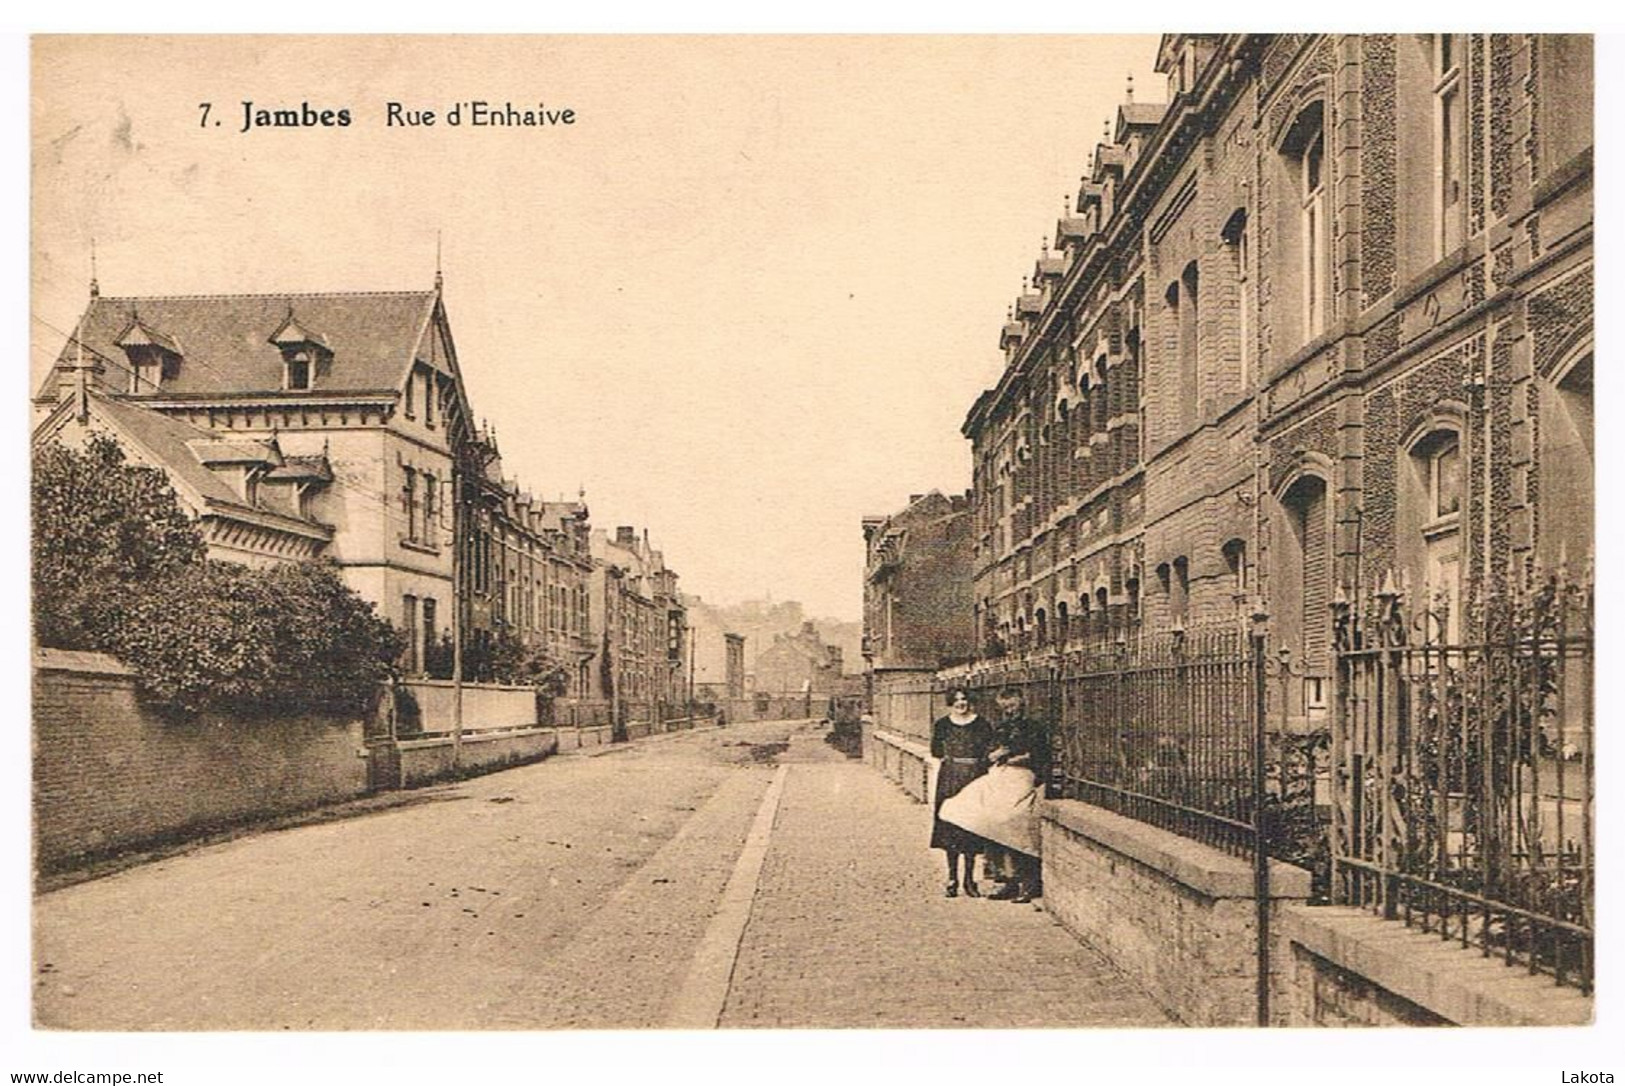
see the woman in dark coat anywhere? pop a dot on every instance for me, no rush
(961, 740)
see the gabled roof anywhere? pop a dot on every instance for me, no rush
(225, 340)
(180, 450)
(1139, 115)
(138, 334)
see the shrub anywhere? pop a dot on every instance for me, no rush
(103, 529)
(118, 568)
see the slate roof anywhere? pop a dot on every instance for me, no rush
(224, 340)
(178, 446)
(1141, 114)
(171, 442)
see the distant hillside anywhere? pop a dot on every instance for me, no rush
(759, 620)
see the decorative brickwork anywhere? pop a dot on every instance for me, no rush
(1317, 434)
(1472, 281)
(1378, 153)
(1558, 315)
(1500, 392)
(1382, 340)
(1280, 54)
(1531, 85)
(1502, 79)
(1501, 270)
(1475, 145)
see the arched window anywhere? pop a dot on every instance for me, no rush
(1304, 148)
(1449, 123)
(1238, 244)
(1567, 463)
(1061, 622)
(1432, 495)
(1235, 562)
(1305, 568)
(1190, 358)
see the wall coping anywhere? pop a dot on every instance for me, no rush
(447, 684)
(1203, 869)
(1456, 983)
(898, 739)
(476, 737)
(90, 663)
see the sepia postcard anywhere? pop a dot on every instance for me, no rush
(536, 535)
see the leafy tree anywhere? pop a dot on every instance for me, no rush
(102, 528)
(119, 568)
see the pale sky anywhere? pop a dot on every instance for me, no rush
(745, 300)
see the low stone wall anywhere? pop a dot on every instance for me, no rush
(431, 759)
(1176, 915)
(906, 701)
(903, 760)
(485, 705)
(1347, 967)
(110, 774)
(1181, 919)
(579, 738)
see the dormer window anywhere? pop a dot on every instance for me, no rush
(154, 357)
(305, 354)
(300, 364)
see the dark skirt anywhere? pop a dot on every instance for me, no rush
(953, 775)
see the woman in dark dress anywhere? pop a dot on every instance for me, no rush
(961, 740)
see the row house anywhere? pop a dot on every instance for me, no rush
(640, 620)
(917, 603)
(799, 663)
(527, 571)
(1269, 357)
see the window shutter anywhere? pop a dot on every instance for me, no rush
(1317, 622)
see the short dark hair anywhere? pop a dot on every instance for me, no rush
(955, 692)
(1012, 692)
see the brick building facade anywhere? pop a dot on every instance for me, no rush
(1322, 318)
(916, 585)
(638, 616)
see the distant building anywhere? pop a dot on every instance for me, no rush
(635, 610)
(798, 662)
(917, 585)
(718, 654)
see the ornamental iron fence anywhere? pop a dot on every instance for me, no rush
(1464, 778)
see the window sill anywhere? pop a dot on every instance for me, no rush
(421, 548)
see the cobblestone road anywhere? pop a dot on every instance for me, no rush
(580, 892)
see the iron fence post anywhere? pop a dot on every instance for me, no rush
(1261, 860)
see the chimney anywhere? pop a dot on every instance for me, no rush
(626, 535)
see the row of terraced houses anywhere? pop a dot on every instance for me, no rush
(1293, 442)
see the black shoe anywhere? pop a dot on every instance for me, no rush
(1007, 892)
(951, 890)
(971, 889)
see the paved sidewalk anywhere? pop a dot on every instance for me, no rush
(850, 928)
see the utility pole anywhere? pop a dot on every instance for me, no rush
(459, 598)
